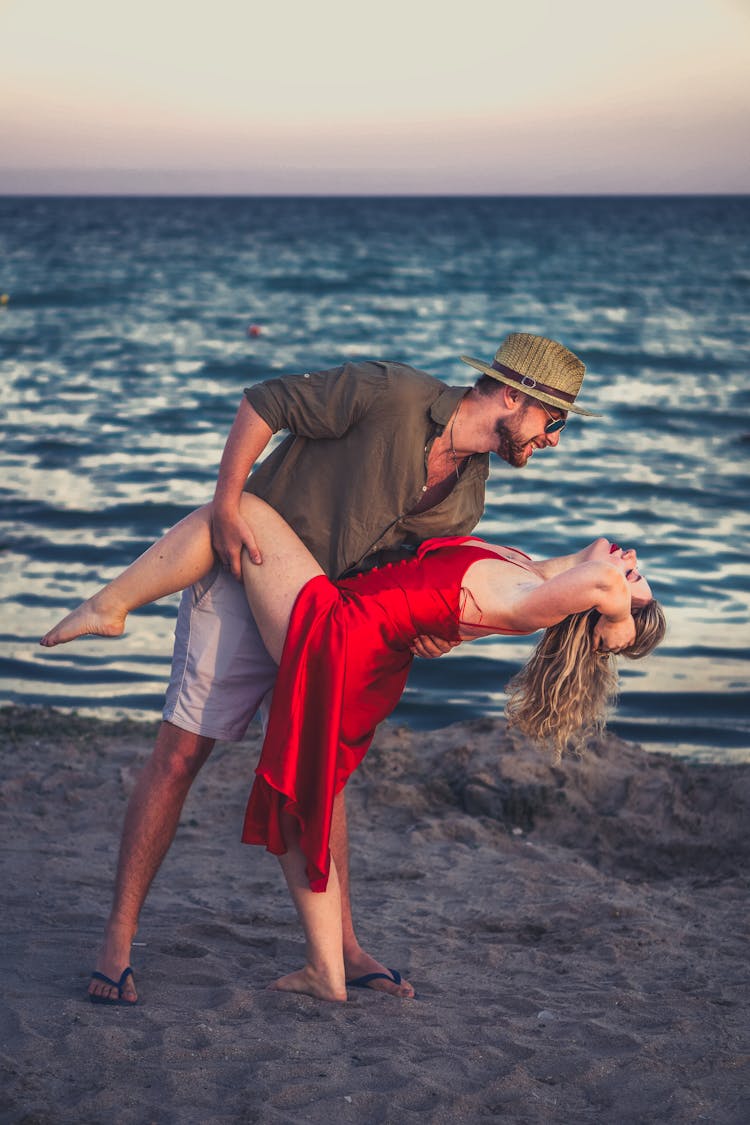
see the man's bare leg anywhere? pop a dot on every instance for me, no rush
(151, 820)
(356, 962)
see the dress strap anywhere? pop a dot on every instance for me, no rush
(445, 541)
(461, 540)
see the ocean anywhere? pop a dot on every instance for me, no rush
(124, 350)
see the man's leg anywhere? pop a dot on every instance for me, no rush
(220, 671)
(151, 821)
(357, 963)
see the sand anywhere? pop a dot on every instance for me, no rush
(577, 935)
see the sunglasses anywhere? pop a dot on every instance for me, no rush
(555, 424)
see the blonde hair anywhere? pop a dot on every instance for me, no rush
(562, 695)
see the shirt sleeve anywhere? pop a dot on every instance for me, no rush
(318, 404)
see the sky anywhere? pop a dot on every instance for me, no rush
(390, 97)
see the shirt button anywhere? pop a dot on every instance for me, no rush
(424, 489)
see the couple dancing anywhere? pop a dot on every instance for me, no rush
(379, 457)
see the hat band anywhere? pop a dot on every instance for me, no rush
(530, 384)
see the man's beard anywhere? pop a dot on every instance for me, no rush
(508, 448)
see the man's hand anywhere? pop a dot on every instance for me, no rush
(613, 636)
(229, 534)
(432, 646)
(247, 439)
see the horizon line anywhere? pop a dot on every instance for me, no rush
(62, 194)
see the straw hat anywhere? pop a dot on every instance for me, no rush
(541, 368)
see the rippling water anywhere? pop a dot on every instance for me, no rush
(124, 351)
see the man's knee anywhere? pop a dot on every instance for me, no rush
(179, 753)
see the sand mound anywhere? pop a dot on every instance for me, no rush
(627, 812)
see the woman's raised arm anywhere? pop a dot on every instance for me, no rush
(587, 585)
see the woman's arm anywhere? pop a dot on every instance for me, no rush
(586, 585)
(550, 568)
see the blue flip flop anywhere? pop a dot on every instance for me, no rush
(118, 984)
(364, 981)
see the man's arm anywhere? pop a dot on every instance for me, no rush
(321, 404)
(247, 439)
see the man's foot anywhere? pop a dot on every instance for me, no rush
(360, 964)
(112, 962)
(92, 616)
(310, 983)
(115, 991)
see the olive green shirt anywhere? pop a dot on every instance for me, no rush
(354, 464)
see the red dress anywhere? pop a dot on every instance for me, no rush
(343, 669)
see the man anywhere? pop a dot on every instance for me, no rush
(379, 457)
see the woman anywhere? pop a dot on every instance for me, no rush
(344, 655)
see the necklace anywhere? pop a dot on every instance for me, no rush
(450, 435)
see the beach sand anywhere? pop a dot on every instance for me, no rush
(577, 935)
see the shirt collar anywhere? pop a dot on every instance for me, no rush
(445, 404)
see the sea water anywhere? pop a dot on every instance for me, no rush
(124, 350)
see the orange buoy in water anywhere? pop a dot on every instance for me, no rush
(254, 330)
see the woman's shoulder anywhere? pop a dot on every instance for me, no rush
(505, 554)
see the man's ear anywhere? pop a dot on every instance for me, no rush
(512, 397)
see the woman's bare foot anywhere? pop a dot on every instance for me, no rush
(96, 615)
(311, 983)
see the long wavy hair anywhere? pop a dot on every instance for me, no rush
(562, 695)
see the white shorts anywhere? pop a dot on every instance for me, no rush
(221, 670)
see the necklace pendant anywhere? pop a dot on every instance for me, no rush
(450, 436)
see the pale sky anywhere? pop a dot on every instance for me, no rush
(390, 96)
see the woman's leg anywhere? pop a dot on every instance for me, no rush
(184, 555)
(272, 589)
(320, 914)
(273, 585)
(175, 561)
